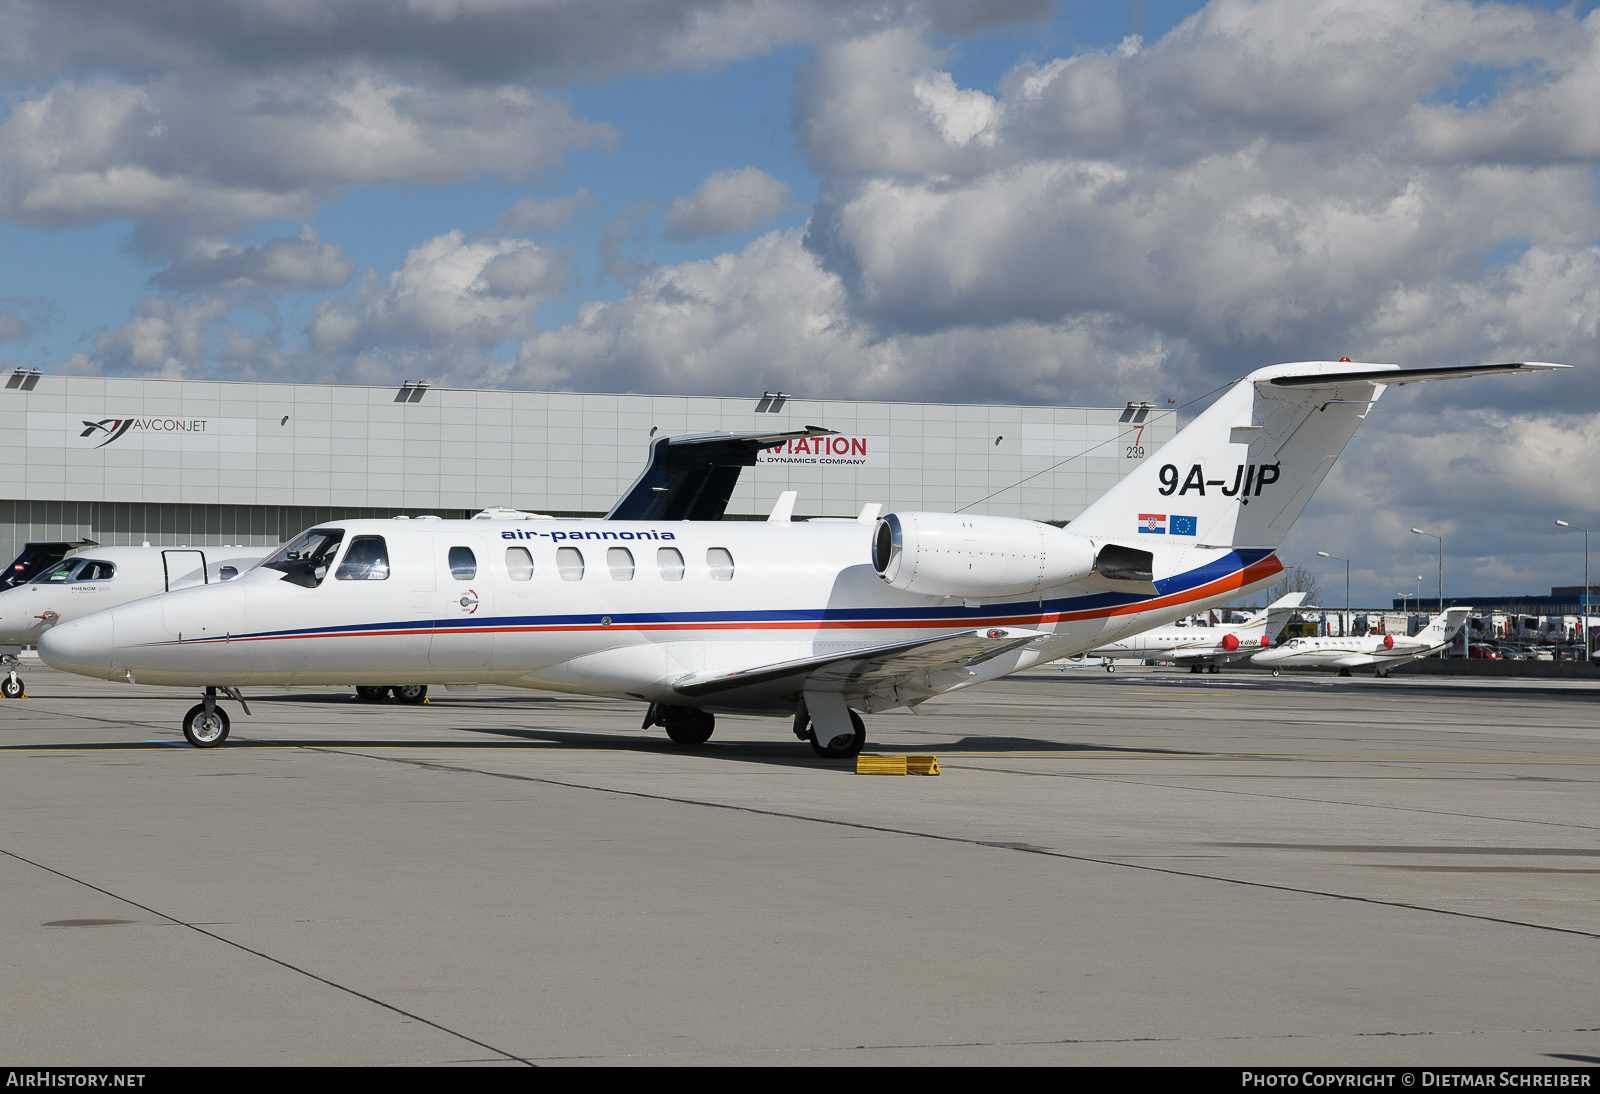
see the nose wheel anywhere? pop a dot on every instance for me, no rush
(206, 725)
(205, 728)
(11, 687)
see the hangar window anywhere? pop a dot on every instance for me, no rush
(304, 561)
(95, 570)
(519, 563)
(463, 563)
(720, 562)
(620, 562)
(366, 560)
(670, 563)
(569, 560)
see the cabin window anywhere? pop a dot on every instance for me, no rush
(519, 563)
(96, 570)
(670, 563)
(569, 561)
(304, 561)
(619, 560)
(463, 563)
(366, 560)
(227, 573)
(720, 562)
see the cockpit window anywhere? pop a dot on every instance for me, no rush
(305, 560)
(366, 560)
(60, 573)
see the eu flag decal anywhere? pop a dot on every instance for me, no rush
(1182, 526)
(1153, 524)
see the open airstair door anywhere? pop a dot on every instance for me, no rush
(692, 477)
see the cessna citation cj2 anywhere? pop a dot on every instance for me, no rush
(1202, 647)
(1381, 652)
(815, 621)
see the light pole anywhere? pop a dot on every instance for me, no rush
(1430, 535)
(1583, 601)
(1344, 626)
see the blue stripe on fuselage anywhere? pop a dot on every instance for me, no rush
(1231, 563)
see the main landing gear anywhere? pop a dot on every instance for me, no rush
(687, 726)
(410, 694)
(206, 725)
(830, 740)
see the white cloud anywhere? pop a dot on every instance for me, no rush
(726, 202)
(284, 264)
(168, 338)
(547, 214)
(449, 294)
(772, 316)
(186, 156)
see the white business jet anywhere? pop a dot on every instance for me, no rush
(814, 621)
(1381, 651)
(102, 577)
(1199, 647)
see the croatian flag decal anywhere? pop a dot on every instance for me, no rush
(1153, 524)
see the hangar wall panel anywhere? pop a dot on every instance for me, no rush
(205, 462)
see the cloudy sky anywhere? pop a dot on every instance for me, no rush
(964, 200)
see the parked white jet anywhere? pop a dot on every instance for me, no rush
(815, 620)
(100, 578)
(1380, 650)
(1198, 647)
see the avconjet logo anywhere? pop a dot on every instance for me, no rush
(114, 428)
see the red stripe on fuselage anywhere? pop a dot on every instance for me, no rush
(1258, 571)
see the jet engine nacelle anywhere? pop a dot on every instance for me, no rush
(950, 554)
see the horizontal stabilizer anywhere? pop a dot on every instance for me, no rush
(858, 671)
(1395, 377)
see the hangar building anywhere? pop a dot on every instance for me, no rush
(123, 461)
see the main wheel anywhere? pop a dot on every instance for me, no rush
(371, 694)
(845, 745)
(12, 687)
(205, 729)
(1110, 667)
(688, 726)
(1275, 672)
(411, 694)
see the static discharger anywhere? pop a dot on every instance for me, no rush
(897, 765)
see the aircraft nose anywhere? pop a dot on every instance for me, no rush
(84, 646)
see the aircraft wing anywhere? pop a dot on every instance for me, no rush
(910, 671)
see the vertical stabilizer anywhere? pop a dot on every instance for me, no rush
(1240, 473)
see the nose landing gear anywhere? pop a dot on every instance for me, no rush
(206, 725)
(11, 687)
